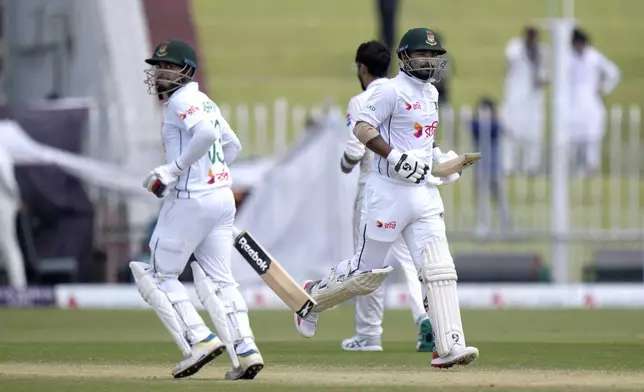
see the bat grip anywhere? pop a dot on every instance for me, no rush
(236, 231)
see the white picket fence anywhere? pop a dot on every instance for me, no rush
(610, 200)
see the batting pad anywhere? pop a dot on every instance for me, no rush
(439, 276)
(342, 288)
(161, 304)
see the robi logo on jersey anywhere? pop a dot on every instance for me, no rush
(427, 130)
(415, 106)
(386, 225)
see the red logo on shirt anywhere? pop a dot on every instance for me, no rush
(214, 177)
(427, 130)
(415, 106)
(386, 225)
(191, 110)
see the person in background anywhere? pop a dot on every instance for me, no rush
(10, 256)
(443, 85)
(387, 11)
(523, 107)
(486, 134)
(593, 77)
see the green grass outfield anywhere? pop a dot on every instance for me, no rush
(564, 350)
(258, 50)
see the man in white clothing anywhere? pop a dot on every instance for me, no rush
(523, 108)
(10, 255)
(372, 62)
(398, 123)
(196, 218)
(593, 77)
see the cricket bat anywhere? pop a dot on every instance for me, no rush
(455, 165)
(273, 274)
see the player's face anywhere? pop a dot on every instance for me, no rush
(425, 65)
(165, 77)
(578, 47)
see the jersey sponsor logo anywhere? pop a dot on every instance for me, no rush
(191, 111)
(371, 107)
(348, 120)
(427, 130)
(386, 225)
(215, 177)
(253, 254)
(414, 106)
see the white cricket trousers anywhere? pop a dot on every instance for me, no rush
(370, 308)
(202, 226)
(10, 255)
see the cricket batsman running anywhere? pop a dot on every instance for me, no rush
(197, 218)
(398, 123)
(372, 62)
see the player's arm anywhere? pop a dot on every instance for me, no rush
(193, 119)
(354, 150)
(378, 108)
(229, 142)
(610, 73)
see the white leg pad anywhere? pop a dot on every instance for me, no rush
(159, 301)
(209, 295)
(340, 287)
(439, 277)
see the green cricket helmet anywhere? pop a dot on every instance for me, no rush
(428, 67)
(173, 64)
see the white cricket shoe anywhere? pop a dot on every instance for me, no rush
(306, 326)
(458, 355)
(250, 362)
(202, 353)
(362, 343)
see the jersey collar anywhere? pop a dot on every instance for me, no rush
(192, 86)
(375, 83)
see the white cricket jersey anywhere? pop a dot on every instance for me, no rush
(405, 111)
(186, 107)
(354, 147)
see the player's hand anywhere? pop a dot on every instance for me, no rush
(439, 157)
(347, 163)
(408, 166)
(160, 179)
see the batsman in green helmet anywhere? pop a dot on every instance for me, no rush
(421, 55)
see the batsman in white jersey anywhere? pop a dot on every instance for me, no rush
(196, 218)
(398, 123)
(372, 63)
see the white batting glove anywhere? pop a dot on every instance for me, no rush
(408, 166)
(160, 179)
(439, 157)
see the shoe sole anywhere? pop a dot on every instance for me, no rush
(201, 363)
(366, 349)
(466, 360)
(252, 371)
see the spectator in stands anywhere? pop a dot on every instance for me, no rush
(486, 134)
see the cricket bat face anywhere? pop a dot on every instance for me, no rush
(455, 165)
(274, 275)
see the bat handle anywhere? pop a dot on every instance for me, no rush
(236, 231)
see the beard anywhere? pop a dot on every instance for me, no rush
(362, 83)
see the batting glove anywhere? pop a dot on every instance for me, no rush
(439, 157)
(160, 179)
(408, 166)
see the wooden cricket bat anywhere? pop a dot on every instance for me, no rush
(455, 165)
(273, 274)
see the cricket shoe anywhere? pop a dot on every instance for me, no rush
(425, 343)
(362, 343)
(202, 353)
(250, 362)
(306, 326)
(458, 355)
